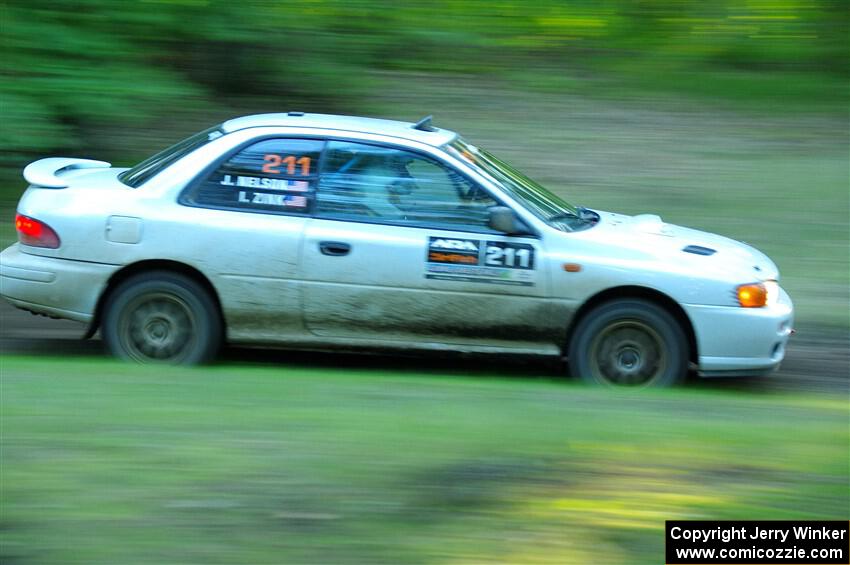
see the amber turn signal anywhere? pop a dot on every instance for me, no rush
(752, 295)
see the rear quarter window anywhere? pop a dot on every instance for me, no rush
(272, 175)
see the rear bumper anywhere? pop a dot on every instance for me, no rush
(736, 341)
(55, 287)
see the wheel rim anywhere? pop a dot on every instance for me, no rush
(157, 327)
(628, 352)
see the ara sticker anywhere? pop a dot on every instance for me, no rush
(474, 260)
(453, 251)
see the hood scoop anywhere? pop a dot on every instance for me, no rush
(699, 250)
(651, 224)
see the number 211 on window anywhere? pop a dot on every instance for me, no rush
(273, 163)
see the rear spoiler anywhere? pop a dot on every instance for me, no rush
(44, 172)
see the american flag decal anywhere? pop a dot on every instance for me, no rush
(296, 201)
(297, 185)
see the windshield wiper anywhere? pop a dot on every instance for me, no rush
(563, 216)
(583, 215)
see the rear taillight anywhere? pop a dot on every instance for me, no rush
(35, 233)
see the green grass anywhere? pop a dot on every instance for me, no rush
(109, 463)
(759, 93)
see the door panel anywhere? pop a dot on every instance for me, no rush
(408, 283)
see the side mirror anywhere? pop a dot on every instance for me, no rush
(504, 219)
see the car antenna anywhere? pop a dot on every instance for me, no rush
(425, 124)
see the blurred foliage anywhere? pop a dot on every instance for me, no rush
(677, 107)
(74, 70)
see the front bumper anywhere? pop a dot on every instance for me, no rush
(736, 341)
(56, 287)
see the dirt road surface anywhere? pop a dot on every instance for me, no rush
(817, 361)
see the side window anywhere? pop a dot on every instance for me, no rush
(387, 185)
(273, 175)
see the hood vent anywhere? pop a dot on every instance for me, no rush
(699, 250)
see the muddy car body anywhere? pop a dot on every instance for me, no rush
(317, 231)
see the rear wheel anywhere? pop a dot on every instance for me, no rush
(162, 317)
(629, 342)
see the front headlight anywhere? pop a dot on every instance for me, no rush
(757, 295)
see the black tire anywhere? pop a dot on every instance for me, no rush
(162, 317)
(629, 342)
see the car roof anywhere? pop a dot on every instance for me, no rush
(393, 128)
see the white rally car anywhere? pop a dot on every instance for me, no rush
(335, 232)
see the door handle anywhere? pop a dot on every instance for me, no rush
(334, 248)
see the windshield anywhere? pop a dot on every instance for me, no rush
(547, 206)
(139, 174)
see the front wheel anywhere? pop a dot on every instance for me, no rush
(629, 342)
(162, 317)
